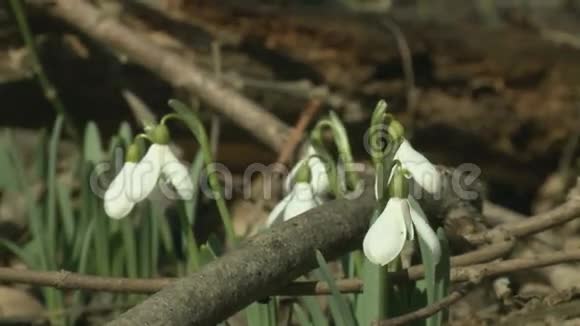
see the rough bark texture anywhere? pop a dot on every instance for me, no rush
(262, 264)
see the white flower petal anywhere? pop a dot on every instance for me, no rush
(423, 172)
(409, 225)
(386, 237)
(146, 173)
(178, 175)
(318, 176)
(278, 210)
(303, 199)
(116, 201)
(424, 229)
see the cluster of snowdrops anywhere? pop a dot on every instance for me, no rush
(311, 182)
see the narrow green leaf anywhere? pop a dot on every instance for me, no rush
(101, 239)
(26, 257)
(66, 212)
(301, 315)
(8, 177)
(125, 133)
(130, 246)
(35, 221)
(195, 171)
(372, 304)
(41, 156)
(144, 248)
(254, 314)
(93, 148)
(340, 309)
(51, 231)
(436, 276)
(315, 311)
(155, 211)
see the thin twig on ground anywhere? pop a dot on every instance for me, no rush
(429, 310)
(535, 224)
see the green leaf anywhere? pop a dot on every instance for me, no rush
(436, 276)
(341, 311)
(301, 315)
(125, 133)
(41, 156)
(93, 148)
(51, 231)
(130, 246)
(195, 171)
(26, 257)
(196, 127)
(372, 304)
(144, 248)
(35, 218)
(66, 212)
(315, 311)
(8, 177)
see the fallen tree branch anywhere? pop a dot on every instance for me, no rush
(173, 68)
(429, 310)
(260, 266)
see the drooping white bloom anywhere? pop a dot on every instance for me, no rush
(117, 201)
(298, 201)
(422, 171)
(318, 174)
(136, 180)
(159, 160)
(394, 226)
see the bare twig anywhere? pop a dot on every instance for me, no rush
(560, 215)
(174, 69)
(298, 131)
(69, 280)
(429, 310)
(74, 281)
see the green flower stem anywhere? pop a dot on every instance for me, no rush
(194, 124)
(341, 141)
(193, 261)
(48, 88)
(343, 145)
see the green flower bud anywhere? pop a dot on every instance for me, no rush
(303, 174)
(160, 134)
(396, 130)
(133, 153)
(399, 186)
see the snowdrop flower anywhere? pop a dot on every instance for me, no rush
(117, 201)
(136, 181)
(318, 174)
(300, 199)
(422, 171)
(397, 223)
